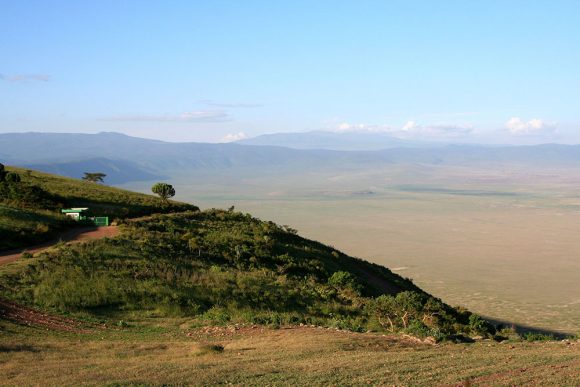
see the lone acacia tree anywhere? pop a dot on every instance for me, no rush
(95, 177)
(164, 190)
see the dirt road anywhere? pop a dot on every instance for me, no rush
(74, 235)
(32, 317)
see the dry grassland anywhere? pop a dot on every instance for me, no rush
(259, 356)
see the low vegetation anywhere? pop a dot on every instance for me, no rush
(23, 227)
(107, 201)
(222, 267)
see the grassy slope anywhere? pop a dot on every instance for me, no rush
(215, 266)
(104, 200)
(21, 227)
(172, 354)
(23, 224)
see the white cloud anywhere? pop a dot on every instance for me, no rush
(369, 128)
(234, 137)
(192, 116)
(409, 126)
(409, 129)
(517, 126)
(345, 126)
(25, 77)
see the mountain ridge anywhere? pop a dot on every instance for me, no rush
(157, 159)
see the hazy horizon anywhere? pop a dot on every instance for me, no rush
(492, 73)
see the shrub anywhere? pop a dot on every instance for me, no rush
(479, 326)
(537, 336)
(344, 279)
(12, 177)
(217, 315)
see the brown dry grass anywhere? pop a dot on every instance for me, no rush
(299, 356)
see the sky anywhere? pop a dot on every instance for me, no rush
(214, 71)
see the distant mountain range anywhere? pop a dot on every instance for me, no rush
(349, 141)
(124, 158)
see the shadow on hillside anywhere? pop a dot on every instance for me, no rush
(127, 208)
(521, 329)
(65, 236)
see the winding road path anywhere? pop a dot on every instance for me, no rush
(75, 235)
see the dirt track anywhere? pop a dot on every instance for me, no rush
(28, 316)
(74, 235)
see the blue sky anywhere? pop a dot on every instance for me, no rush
(461, 71)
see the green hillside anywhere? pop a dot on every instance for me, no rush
(214, 266)
(218, 266)
(30, 208)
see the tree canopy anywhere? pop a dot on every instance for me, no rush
(95, 177)
(164, 190)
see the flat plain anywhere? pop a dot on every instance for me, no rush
(500, 241)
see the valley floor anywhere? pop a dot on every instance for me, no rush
(173, 353)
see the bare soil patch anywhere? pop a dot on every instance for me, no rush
(28, 316)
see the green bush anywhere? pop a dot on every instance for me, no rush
(216, 315)
(537, 336)
(344, 279)
(479, 326)
(12, 177)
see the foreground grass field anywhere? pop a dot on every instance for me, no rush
(170, 353)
